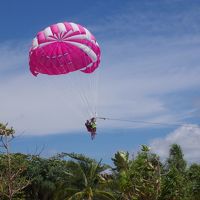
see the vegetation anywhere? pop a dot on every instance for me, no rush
(70, 176)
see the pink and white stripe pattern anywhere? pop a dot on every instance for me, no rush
(62, 48)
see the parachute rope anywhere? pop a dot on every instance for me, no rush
(69, 48)
(148, 122)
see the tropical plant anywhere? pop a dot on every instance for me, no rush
(87, 182)
(138, 178)
(193, 182)
(13, 166)
(174, 185)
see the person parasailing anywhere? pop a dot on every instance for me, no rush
(91, 127)
(65, 48)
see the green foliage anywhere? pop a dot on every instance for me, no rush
(16, 177)
(5, 131)
(75, 176)
(13, 167)
(193, 182)
(174, 179)
(86, 178)
(121, 160)
(176, 159)
(146, 175)
(139, 178)
(48, 178)
(71, 176)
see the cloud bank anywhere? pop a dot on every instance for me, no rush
(188, 137)
(149, 71)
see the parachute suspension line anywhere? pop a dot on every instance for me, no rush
(93, 81)
(88, 98)
(84, 97)
(147, 122)
(89, 94)
(95, 90)
(71, 82)
(54, 52)
(74, 82)
(78, 92)
(86, 91)
(96, 94)
(92, 89)
(60, 63)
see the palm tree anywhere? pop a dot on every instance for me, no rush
(137, 178)
(86, 179)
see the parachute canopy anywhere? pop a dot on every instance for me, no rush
(62, 48)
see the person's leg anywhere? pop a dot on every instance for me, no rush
(92, 135)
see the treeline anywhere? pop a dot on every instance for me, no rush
(70, 176)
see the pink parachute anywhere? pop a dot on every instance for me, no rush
(62, 48)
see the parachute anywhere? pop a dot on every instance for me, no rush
(63, 48)
(66, 49)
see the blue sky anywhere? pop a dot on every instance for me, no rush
(149, 71)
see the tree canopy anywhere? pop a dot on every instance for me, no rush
(71, 176)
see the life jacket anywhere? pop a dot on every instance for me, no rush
(93, 124)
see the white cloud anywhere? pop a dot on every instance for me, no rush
(40, 105)
(187, 136)
(133, 79)
(137, 77)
